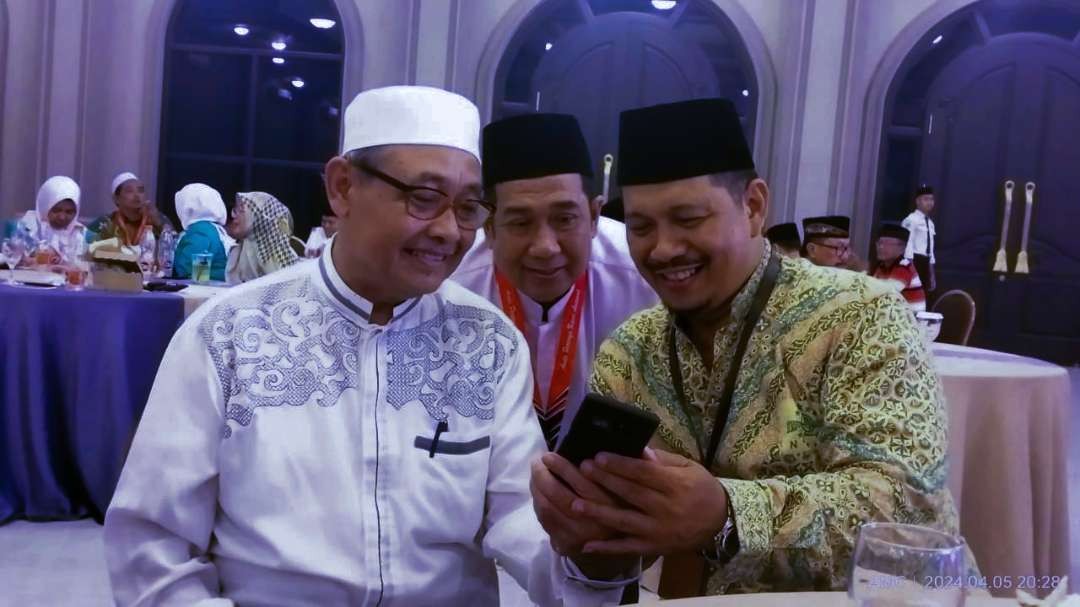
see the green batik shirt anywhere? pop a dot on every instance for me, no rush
(838, 418)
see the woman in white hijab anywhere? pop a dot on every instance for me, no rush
(203, 216)
(54, 223)
(263, 227)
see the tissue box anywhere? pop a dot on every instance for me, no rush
(114, 268)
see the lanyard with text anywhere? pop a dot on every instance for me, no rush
(757, 306)
(551, 412)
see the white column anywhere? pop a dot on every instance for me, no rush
(827, 69)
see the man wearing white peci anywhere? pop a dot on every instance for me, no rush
(353, 430)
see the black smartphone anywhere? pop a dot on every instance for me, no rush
(605, 424)
(164, 287)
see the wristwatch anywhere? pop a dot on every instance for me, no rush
(725, 544)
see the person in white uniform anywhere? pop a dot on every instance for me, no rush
(561, 272)
(352, 430)
(920, 246)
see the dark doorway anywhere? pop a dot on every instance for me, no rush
(596, 58)
(1001, 104)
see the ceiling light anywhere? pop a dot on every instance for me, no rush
(938, 39)
(278, 46)
(323, 24)
(241, 30)
(298, 83)
(278, 61)
(745, 93)
(664, 5)
(547, 47)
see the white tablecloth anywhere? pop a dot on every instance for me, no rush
(1008, 425)
(196, 295)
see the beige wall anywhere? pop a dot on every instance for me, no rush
(82, 83)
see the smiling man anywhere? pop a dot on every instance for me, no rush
(796, 402)
(353, 430)
(561, 272)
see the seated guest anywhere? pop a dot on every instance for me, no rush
(827, 240)
(136, 223)
(796, 403)
(356, 430)
(203, 216)
(891, 266)
(321, 234)
(561, 272)
(785, 239)
(262, 227)
(54, 225)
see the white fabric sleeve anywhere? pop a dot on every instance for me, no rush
(909, 225)
(513, 535)
(158, 526)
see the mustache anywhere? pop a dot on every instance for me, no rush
(679, 262)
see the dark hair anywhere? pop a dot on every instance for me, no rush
(734, 182)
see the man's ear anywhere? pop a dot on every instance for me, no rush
(489, 232)
(594, 212)
(756, 200)
(338, 180)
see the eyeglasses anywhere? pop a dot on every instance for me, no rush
(428, 203)
(840, 249)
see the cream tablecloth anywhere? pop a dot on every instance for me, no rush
(1008, 425)
(196, 295)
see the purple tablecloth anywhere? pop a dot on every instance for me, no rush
(75, 372)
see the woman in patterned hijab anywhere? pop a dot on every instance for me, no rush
(263, 227)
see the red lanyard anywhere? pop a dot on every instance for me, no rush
(550, 412)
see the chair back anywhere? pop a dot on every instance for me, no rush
(958, 308)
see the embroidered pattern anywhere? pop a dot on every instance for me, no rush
(286, 345)
(282, 346)
(453, 361)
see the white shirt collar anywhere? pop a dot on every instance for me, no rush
(348, 301)
(534, 312)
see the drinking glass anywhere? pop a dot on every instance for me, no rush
(200, 267)
(13, 249)
(900, 565)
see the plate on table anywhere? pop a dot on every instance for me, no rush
(36, 278)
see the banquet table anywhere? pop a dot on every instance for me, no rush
(1008, 426)
(76, 368)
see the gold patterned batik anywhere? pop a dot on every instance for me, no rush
(838, 418)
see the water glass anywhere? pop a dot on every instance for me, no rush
(13, 250)
(200, 267)
(899, 565)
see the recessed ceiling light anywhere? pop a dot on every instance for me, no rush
(278, 61)
(664, 5)
(547, 47)
(278, 45)
(298, 83)
(323, 24)
(938, 39)
(745, 93)
(241, 30)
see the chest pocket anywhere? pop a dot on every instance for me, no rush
(451, 477)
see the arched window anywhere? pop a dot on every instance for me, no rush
(595, 58)
(252, 100)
